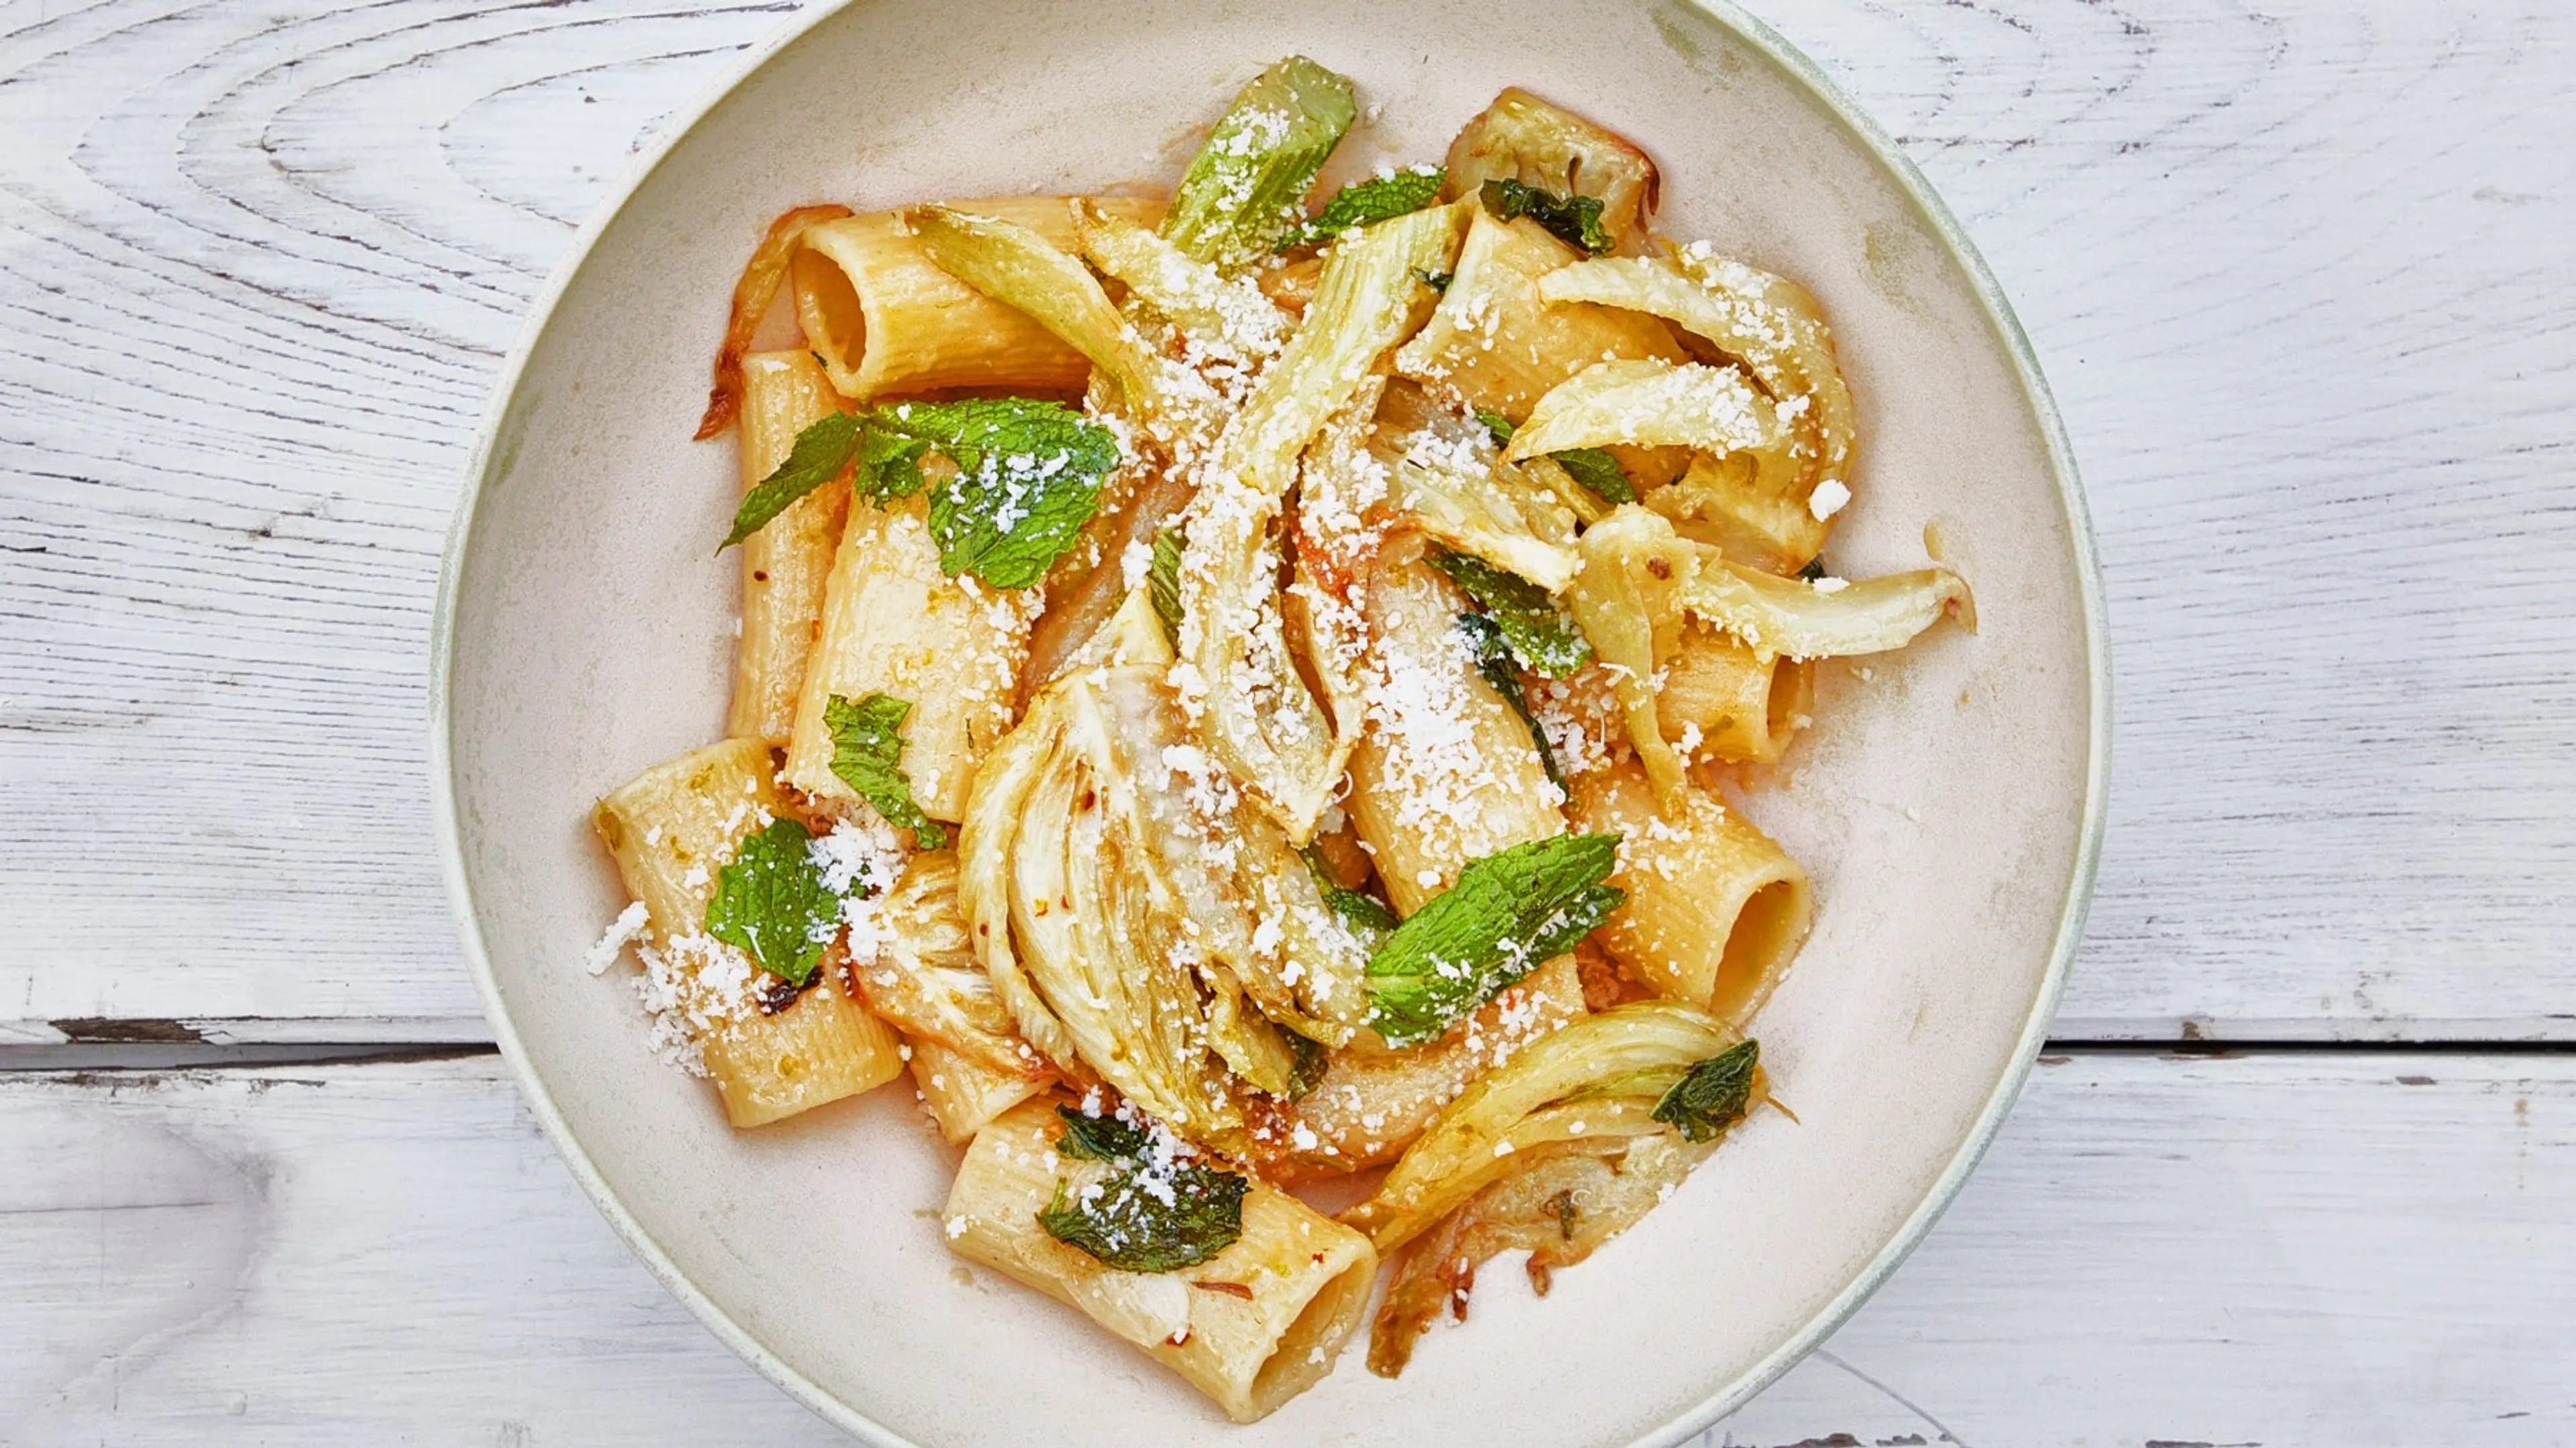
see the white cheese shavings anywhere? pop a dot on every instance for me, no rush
(692, 987)
(1828, 499)
(858, 857)
(629, 927)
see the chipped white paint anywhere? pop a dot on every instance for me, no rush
(2278, 1250)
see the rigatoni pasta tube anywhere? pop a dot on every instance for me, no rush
(885, 319)
(671, 829)
(962, 1093)
(1251, 1327)
(1722, 700)
(786, 563)
(1715, 910)
(822, 1047)
(1495, 344)
(894, 624)
(1445, 772)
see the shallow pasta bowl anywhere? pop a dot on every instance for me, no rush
(1948, 801)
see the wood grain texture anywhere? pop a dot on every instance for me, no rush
(2322, 1249)
(2297, 276)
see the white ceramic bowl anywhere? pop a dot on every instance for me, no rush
(1948, 802)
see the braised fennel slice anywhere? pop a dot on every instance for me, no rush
(1254, 713)
(1142, 922)
(1640, 579)
(917, 966)
(1528, 140)
(1449, 480)
(1554, 1152)
(1243, 192)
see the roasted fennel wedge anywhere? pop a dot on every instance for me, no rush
(1253, 711)
(1557, 1150)
(1642, 581)
(1146, 928)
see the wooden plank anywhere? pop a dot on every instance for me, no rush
(2294, 273)
(2285, 1249)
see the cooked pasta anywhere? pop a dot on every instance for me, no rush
(1243, 689)
(787, 565)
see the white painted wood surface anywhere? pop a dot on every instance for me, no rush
(2335, 1249)
(2298, 275)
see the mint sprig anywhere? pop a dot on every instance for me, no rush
(1574, 220)
(1494, 660)
(1149, 1216)
(1507, 914)
(867, 754)
(817, 457)
(1163, 582)
(1544, 639)
(1029, 475)
(1595, 469)
(1374, 199)
(1100, 1138)
(771, 902)
(1362, 912)
(1713, 1094)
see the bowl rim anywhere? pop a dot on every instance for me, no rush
(1726, 1397)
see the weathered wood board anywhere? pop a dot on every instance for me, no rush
(2298, 277)
(2348, 1249)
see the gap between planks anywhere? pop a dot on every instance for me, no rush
(2357, 1247)
(158, 1055)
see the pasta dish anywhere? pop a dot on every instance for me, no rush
(1248, 690)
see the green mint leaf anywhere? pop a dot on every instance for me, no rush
(1437, 281)
(889, 465)
(1507, 914)
(1029, 475)
(1546, 641)
(771, 902)
(820, 452)
(1362, 912)
(1574, 220)
(1712, 1095)
(1814, 569)
(1374, 199)
(1494, 661)
(1101, 1138)
(1308, 1072)
(1149, 1216)
(1246, 188)
(1497, 424)
(867, 753)
(1163, 582)
(1597, 470)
